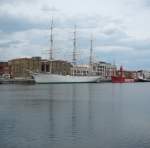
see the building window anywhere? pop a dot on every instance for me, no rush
(42, 68)
(47, 68)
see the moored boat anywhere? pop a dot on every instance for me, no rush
(50, 77)
(118, 79)
(121, 78)
(141, 79)
(55, 78)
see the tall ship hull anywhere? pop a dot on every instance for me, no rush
(54, 78)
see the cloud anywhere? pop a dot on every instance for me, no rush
(146, 3)
(120, 31)
(46, 8)
(7, 44)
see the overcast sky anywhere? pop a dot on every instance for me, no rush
(120, 28)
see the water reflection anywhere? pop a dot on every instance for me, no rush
(51, 114)
(77, 119)
(90, 110)
(74, 129)
(70, 116)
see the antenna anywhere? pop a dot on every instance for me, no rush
(51, 41)
(74, 47)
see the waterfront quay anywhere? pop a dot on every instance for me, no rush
(17, 81)
(20, 70)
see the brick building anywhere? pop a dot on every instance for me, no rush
(56, 67)
(23, 67)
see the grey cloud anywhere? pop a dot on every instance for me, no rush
(15, 1)
(46, 8)
(137, 45)
(11, 23)
(9, 43)
(146, 3)
(4, 1)
(115, 34)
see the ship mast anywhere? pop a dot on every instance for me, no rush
(91, 51)
(51, 45)
(91, 55)
(74, 47)
(51, 41)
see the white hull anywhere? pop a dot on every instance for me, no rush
(54, 78)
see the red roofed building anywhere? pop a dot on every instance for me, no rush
(4, 68)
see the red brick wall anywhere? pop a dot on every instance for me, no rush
(4, 68)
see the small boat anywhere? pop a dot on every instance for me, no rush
(121, 78)
(141, 79)
(1, 80)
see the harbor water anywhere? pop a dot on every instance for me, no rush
(102, 115)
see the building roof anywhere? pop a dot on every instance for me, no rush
(3, 62)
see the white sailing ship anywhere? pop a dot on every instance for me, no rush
(49, 77)
(55, 78)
